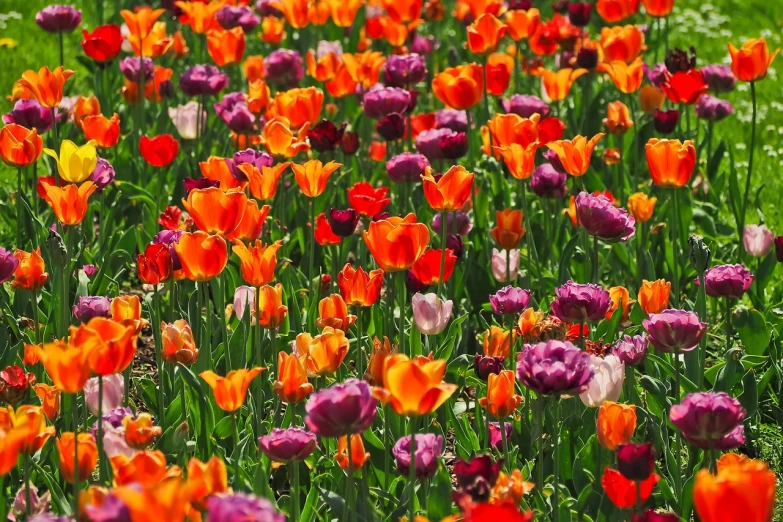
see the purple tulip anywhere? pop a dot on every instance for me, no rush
(424, 45)
(234, 112)
(428, 448)
(758, 240)
(452, 119)
(707, 418)
(718, 77)
(241, 506)
(548, 182)
(600, 218)
(284, 68)
(8, 264)
(58, 18)
(413, 284)
(587, 58)
(636, 461)
(267, 8)
(727, 281)
(554, 160)
(525, 105)
(509, 300)
(429, 143)
(38, 503)
(103, 174)
(675, 330)
(496, 437)
(292, 444)
(554, 368)
(657, 75)
(112, 509)
(653, 516)
(711, 108)
(90, 306)
(404, 70)
(89, 270)
(116, 417)
(381, 101)
(241, 16)
(31, 114)
(453, 146)
(575, 303)
(407, 167)
(202, 80)
(455, 244)
(200, 183)
(256, 158)
(131, 69)
(458, 223)
(486, 366)
(391, 127)
(665, 121)
(632, 350)
(343, 222)
(341, 409)
(477, 477)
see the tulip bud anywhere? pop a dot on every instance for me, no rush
(587, 57)
(350, 143)
(699, 253)
(430, 314)
(665, 121)
(343, 222)
(485, 366)
(57, 252)
(635, 461)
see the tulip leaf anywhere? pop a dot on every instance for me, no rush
(686, 383)
(308, 510)
(749, 397)
(439, 499)
(565, 259)
(753, 329)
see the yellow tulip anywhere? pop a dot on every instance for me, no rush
(75, 164)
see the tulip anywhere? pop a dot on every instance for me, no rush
(710, 420)
(405, 70)
(29, 272)
(159, 151)
(407, 167)
(740, 492)
(485, 34)
(39, 504)
(67, 365)
(258, 262)
(396, 242)
(333, 312)
(675, 330)
(8, 265)
(580, 302)
(144, 468)
(271, 312)
(641, 207)
(203, 257)
(509, 300)
(601, 219)
(284, 69)
(719, 77)
(70, 203)
(186, 117)
(497, 342)
(618, 118)
(636, 461)
(226, 47)
(177, 343)
(341, 409)
(427, 268)
(325, 136)
(449, 192)
(83, 444)
(751, 61)
(671, 162)
(291, 384)
(46, 86)
(58, 18)
(288, 445)
(654, 296)
(712, 109)
(554, 368)
(522, 24)
(428, 448)
(155, 264)
(323, 233)
(343, 222)
(110, 345)
(88, 307)
(241, 506)
(324, 353)
(486, 366)
(74, 164)
(103, 44)
(632, 350)
(727, 281)
(313, 176)
(519, 160)
(558, 84)
(230, 391)
(502, 270)
(477, 477)
(415, 387)
(615, 424)
(380, 101)
(575, 154)
(358, 455)
(459, 87)
(508, 230)
(758, 240)
(299, 106)
(202, 80)
(357, 287)
(548, 182)
(15, 384)
(623, 492)
(626, 77)
(126, 310)
(30, 114)
(501, 400)
(607, 382)
(623, 43)
(430, 314)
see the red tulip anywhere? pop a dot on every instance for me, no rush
(103, 44)
(159, 151)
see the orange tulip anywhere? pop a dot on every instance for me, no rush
(731, 459)
(650, 99)
(226, 47)
(558, 83)
(499, 66)
(658, 8)
(332, 311)
(67, 365)
(155, 44)
(200, 15)
(641, 207)
(380, 351)
(323, 233)
(29, 274)
(126, 309)
(460, 87)
(485, 33)
(178, 344)
(313, 176)
(252, 223)
(206, 479)
(257, 96)
(50, 400)
(671, 162)
(296, 12)
(615, 424)
(253, 68)
(324, 353)
(69, 203)
(396, 242)
(358, 454)
(342, 84)
(575, 154)
(11, 442)
(450, 191)
(626, 77)
(263, 183)
(751, 61)
(654, 296)
(618, 118)
(139, 431)
(215, 211)
(280, 140)
(403, 11)
(622, 43)
(80, 447)
(169, 500)
(378, 150)
(501, 401)
(364, 68)
(46, 85)
(31, 420)
(203, 256)
(258, 262)
(743, 492)
(272, 30)
(269, 300)
(291, 384)
(141, 21)
(616, 10)
(522, 24)
(216, 169)
(299, 106)
(105, 132)
(19, 146)
(619, 296)
(507, 129)
(324, 68)
(497, 343)
(357, 287)
(415, 387)
(85, 106)
(145, 468)
(521, 161)
(344, 11)
(508, 229)
(230, 391)
(111, 345)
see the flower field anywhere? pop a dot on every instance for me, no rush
(382, 260)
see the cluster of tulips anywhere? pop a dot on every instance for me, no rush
(450, 298)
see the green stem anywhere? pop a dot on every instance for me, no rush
(540, 424)
(235, 448)
(19, 209)
(293, 468)
(412, 470)
(386, 444)
(75, 420)
(701, 310)
(750, 160)
(404, 289)
(101, 455)
(443, 232)
(529, 240)
(259, 362)
(349, 483)
(312, 248)
(678, 433)
(509, 464)
(728, 324)
(595, 260)
(156, 333)
(27, 494)
(638, 498)
(359, 352)
(556, 463)
(676, 247)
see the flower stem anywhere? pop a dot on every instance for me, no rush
(293, 468)
(750, 161)
(509, 464)
(412, 470)
(540, 424)
(676, 247)
(349, 483)
(101, 456)
(401, 278)
(556, 464)
(532, 254)
(19, 209)
(443, 232)
(678, 433)
(312, 249)
(75, 420)
(235, 448)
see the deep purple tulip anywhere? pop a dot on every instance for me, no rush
(202, 80)
(112, 509)
(431, 142)
(587, 58)
(711, 108)
(267, 8)
(406, 167)
(665, 121)
(636, 461)
(191, 184)
(632, 350)
(90, 306)
(727, 281)
(89, 270)
(8, 264)
(707, 418)
(241, 16)
(381, 101)
(602, 219)
(509, 300)
(554, 160)
(554, 368)
(391, 127)
(675, 330)
(719, 77)
(404, 70)
(452, 119)
(575, 303)
(241, 506)
(288, 445)
(657, 74)
(524, 5)
(58, 18)
(453, 146)
(31, 114)
(496, 437)
(131, 68)
(325, 136)
(428, 448)
(548, 182)
(284, 68)
(477, 477)
(234, 112)
(103, 174)
(525, 105)
(455, 244)
(654, 516)
(341, 409)
(486, 366)
(343, 222)
(779, 248)
(680, 60)
(579, 13)
(254, 157)
(456, 223)
(412, 283)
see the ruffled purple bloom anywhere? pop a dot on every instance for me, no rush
(496, 437)
(477, 476)
(382, 101)
(234, 112)
(575, 303)
(554, 368)
(407, 167)
(58, 18)
(525, 105)
(90, 306)
(548, 182)
(116, 417)
(710, 420)
(441, 144)
(131, 68)
(657, 75)
(254, 157)
(727, 281)
(31, 114)
(602, 219)
(341, 409)
(8, 264)
(241, 16)
(267, 8)
(284, 68)
(675, 330)
(241, 506)
(292, 444)
(632, 350)
(50, 517)
(509, 300)
(458, 223)
(191, 184)
(112, 509)
(404, 70)
(428, 448)
(486, 366)
(202, 80)
(170, 237)
(452, 119)
(711, 108)
(424, 45)
(719, 77)
(103, 174)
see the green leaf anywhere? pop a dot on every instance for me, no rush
(565, 260)
(752, 329)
